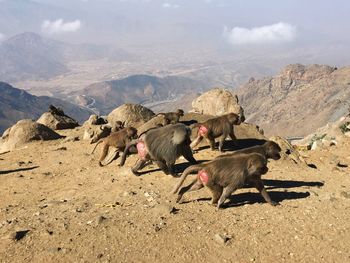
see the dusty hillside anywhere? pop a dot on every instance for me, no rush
(103, 97)
(76, 211)
(17, 104)
(298, 100)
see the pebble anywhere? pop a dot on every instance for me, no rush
(18, 235)
(222, 239)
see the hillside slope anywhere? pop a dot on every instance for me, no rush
(16, 104)
(103, 97)
(298, 100)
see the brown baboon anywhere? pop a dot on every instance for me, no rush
(224, 175)
(118, 126)
(269, 149)
(163, 146)
(171, 117)
(118, 140)
(221, 126)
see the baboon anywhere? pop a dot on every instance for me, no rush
(118, 126)
(171, 117)
(221, 126)
(162, 145)
(118, 140)
(224, 175)
(269, 149)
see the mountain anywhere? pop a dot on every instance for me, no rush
(298, 100)
(31, 56)
(16, 104)
(103, 97)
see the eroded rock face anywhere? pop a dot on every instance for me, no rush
(57, 120)
(25, 131)
(288, 151)
(217, 102)
(132, 114)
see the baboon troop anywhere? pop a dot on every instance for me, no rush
(166, 142)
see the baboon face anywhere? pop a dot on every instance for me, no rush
(257, 166)
(234, 118)
(273, 150)
(132, 132)
(180, 112)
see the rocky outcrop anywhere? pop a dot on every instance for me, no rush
(57, 120)
(132, 114)
(298, 100)
(23, 132)
(217, 102)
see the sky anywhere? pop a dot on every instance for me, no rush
(226, 25)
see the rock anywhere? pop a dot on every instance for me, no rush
(57, 120)
(288, 151)
(93, 133)
(18, 235)
(25, 131)
(95, 120)
(71, 139)
(100, 220)
(222, 239)
(217, 102)
(132, 114)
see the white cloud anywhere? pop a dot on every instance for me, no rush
(2, 37)
(270, 34)
(59, 26)
(168, 5)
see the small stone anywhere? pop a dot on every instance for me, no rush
(342, 165)
(222, 239)
(345, 195)
(20, 234)
(100, 255)
(101, 219)
(61, 149)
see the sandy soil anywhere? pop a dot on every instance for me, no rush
(76, 211)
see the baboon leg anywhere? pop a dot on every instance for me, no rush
(193, 186)
(225, 194)
(232, 135)
(187, 153)
(221, 142)
(216, 190)
(139, 165)
(171, 169)
(162, 165)
(258, 184)
(211, 142)
(196, 141)
(103, 153)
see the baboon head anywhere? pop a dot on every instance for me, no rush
(273, 150)
(132, 132)
(257, 165)
(180, 112)
(233, 118)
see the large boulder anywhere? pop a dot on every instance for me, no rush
(93, 133)
(152, 123)
(132, 114)
(57, 120)
(217, 102)
(23, 132)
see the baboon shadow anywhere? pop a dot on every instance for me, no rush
(234, 145)
(179, 168)
(252, 198)
(273, 184)
(18, 170)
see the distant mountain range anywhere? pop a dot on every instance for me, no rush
(16, 104)
(105, 96)
(30, 56)
(298, 100)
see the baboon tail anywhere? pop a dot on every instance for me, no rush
(188, 170)
(98, 142)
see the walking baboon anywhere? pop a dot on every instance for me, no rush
(162, 145)
(171, 117)
(118, 140)
(221, 126)
(224, 175)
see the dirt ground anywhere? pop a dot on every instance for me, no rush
(74, 211)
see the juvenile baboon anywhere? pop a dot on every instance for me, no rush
(269, 149)
(171, 117)
(224, 175)
(221, 126)
(118, 140)
(118, 126)
(162, 145)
